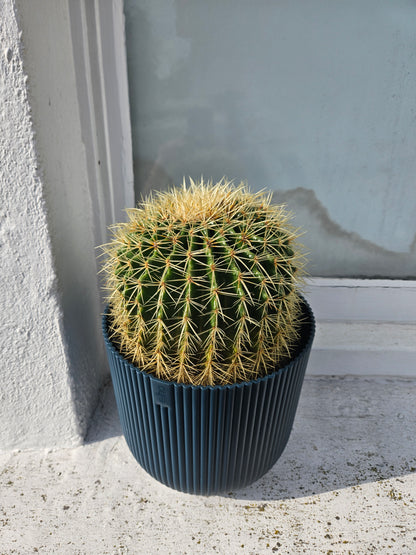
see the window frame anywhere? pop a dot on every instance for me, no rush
(364, 326)
(97, 31)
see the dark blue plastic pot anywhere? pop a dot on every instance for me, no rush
(207, 440)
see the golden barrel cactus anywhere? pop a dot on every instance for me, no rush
(203, 284)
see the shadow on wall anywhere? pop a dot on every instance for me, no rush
(336, 252)
(346, 433)
(332, 250)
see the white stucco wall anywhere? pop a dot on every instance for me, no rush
(51, 362)
(35, 397)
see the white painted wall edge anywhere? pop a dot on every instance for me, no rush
(364, 326)
(98, 41)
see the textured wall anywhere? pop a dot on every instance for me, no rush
(50, 347)
(36, 405)
(55, 104)
(312, 99)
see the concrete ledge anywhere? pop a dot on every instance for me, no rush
(364, 327)
(346, 483)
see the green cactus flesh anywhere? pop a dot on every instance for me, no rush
(203, 285)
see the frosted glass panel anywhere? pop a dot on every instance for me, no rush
(314, 100)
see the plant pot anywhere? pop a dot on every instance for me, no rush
(207, 440)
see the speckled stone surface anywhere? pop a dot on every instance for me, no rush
(346, 484)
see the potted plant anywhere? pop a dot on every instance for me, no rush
(207, 334)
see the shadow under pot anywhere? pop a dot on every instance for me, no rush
(209, 439)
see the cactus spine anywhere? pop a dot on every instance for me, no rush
(203, 284)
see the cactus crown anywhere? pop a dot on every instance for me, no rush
(203, 284)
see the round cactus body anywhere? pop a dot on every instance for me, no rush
(203, 284)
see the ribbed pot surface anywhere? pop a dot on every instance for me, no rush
(207, 440)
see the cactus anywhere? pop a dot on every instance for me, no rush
(203, 284)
